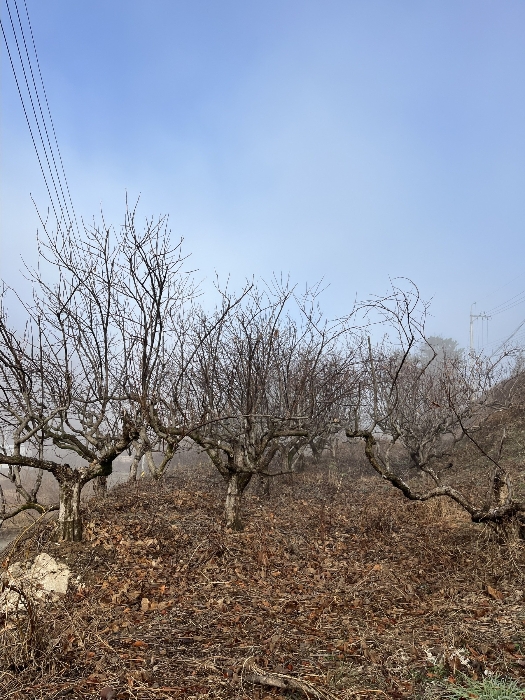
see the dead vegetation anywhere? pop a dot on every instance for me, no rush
(336, 588)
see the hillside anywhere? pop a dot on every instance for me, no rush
(334, 582)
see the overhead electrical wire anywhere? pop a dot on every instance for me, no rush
(504, 306)
(517, 299)
(512, 335)
(50, 117)
(27, 119)
(500, 342)
(52, 178)
(40, 104)
(520, 339)
(502, 286)
(32, 101)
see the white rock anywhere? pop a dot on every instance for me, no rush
(44, 579)
(49, 575)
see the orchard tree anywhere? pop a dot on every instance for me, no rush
(424, 404)
(69, 378)
(262, 381)
(20, 377)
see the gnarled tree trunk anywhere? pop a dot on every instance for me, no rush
(100, 486)
(135, 464)
(69, 517)
(157, 471)
(237, 483)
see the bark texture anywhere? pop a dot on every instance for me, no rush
(69, 516)
(237, 483)
(100, 486)
(135, 464)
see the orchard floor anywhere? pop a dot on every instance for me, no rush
(336, 583)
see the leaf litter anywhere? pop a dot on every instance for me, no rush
(347, 592)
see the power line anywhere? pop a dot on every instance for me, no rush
(33, 108)
(511, 335)
(503, 340)
(52, 178)
(507, 305)
(50, 117)
(502, 286)
(41, 112)
(27, 119)
(517, 299)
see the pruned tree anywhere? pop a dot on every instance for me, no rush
(423, 404)
(260, 382)
(73, 376)
(163, 297)
(160, 387)
(23, 413)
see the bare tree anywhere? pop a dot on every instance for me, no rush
(89, 338)
(260, 382)
(424, 404)
(163, 297)
(23, 412)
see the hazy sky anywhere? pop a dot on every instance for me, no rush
(350, 141)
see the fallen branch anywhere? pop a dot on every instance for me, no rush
(254, 674)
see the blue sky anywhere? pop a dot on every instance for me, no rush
(349, 141)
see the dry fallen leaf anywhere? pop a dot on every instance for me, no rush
(108, 693)
(229, 609)
(497, 595)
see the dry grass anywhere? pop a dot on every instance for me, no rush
(340, 585)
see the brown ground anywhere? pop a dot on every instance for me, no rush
(335, 581)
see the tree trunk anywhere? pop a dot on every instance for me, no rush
(133, 470)
(264, 482)
(69, 518)
(157, 471)
(510, 529)
(237, 483)
(134, 466)
(152, 467)
(100, 486)
(137, 462)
